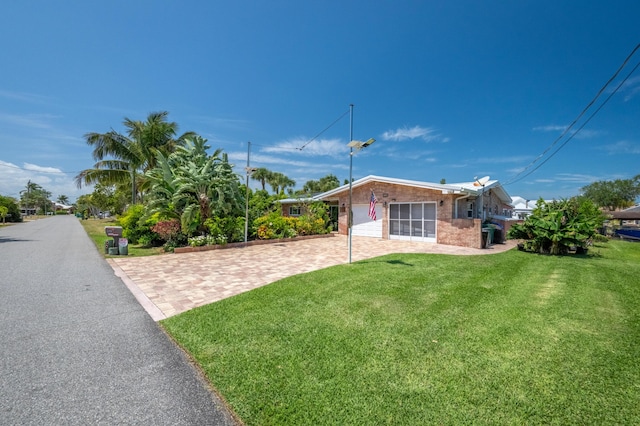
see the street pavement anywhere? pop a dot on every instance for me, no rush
(76, 346)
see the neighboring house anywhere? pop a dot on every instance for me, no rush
(57, 206)
(522, 207)
(627, 216)
(451, 213)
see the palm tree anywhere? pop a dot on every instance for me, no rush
(33, 196)
(263, 175)
(121, 158)
(63, 199)
(280, 182)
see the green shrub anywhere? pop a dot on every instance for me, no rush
(232, 228)
(137, 229)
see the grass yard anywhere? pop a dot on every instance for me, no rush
(95, 229)
(511, 338)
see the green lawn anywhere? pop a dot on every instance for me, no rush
(95, 229)
(511, 338)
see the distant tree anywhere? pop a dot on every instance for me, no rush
(262, 175)
(63, 199)
(613, 195)
(279, 182)
(35, 197)
(3, 213)
(13, 210)
(324, 184)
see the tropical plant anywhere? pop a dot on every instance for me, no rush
(557, 226)
(63, 199)
(194, 186)
(123, 158)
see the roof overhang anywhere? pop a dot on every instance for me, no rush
(464, 188)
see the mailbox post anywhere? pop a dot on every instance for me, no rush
(115, 232)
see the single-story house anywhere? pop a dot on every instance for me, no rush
(452, 213)
(632, 214)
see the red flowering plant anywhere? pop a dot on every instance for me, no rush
(170, 232)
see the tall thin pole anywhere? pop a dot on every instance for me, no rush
(246, 211)
(349, 218)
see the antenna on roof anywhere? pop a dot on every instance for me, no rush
(481, 182)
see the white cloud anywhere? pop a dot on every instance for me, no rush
(549, 128)
(630, 88)
(622, 147)
(502, 160)
(427, 134)
(581, 134)
(37, 121)
(15, 179)
(261, 160)
(302, 146)
(575, 177)
(23, 97)
(41, 169)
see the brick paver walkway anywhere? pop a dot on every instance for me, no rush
(169, 284)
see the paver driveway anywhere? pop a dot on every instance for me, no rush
(169, 284)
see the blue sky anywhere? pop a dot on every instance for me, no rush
(449, 90)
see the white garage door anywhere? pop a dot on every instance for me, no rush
(363, 225)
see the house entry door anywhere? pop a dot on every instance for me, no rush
(412, 221)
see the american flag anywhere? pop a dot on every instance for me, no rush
(372, 206)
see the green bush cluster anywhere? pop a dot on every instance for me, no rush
(274, 225)
(557, 227)
(232, 228)
(137, 229)
(13, 211)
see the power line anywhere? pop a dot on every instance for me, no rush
(325, 129)
(522, 174)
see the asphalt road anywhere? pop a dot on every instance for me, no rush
(76, 348)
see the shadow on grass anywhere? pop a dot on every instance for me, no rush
(390, 262)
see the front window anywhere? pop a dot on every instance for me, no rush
(294, 211)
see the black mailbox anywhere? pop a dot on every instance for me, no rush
(113, 231)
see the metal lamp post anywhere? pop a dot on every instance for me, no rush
(248, 170)
(358, 145)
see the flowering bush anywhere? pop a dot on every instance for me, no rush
(274, 225)
(207, 240)
(170, 232)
